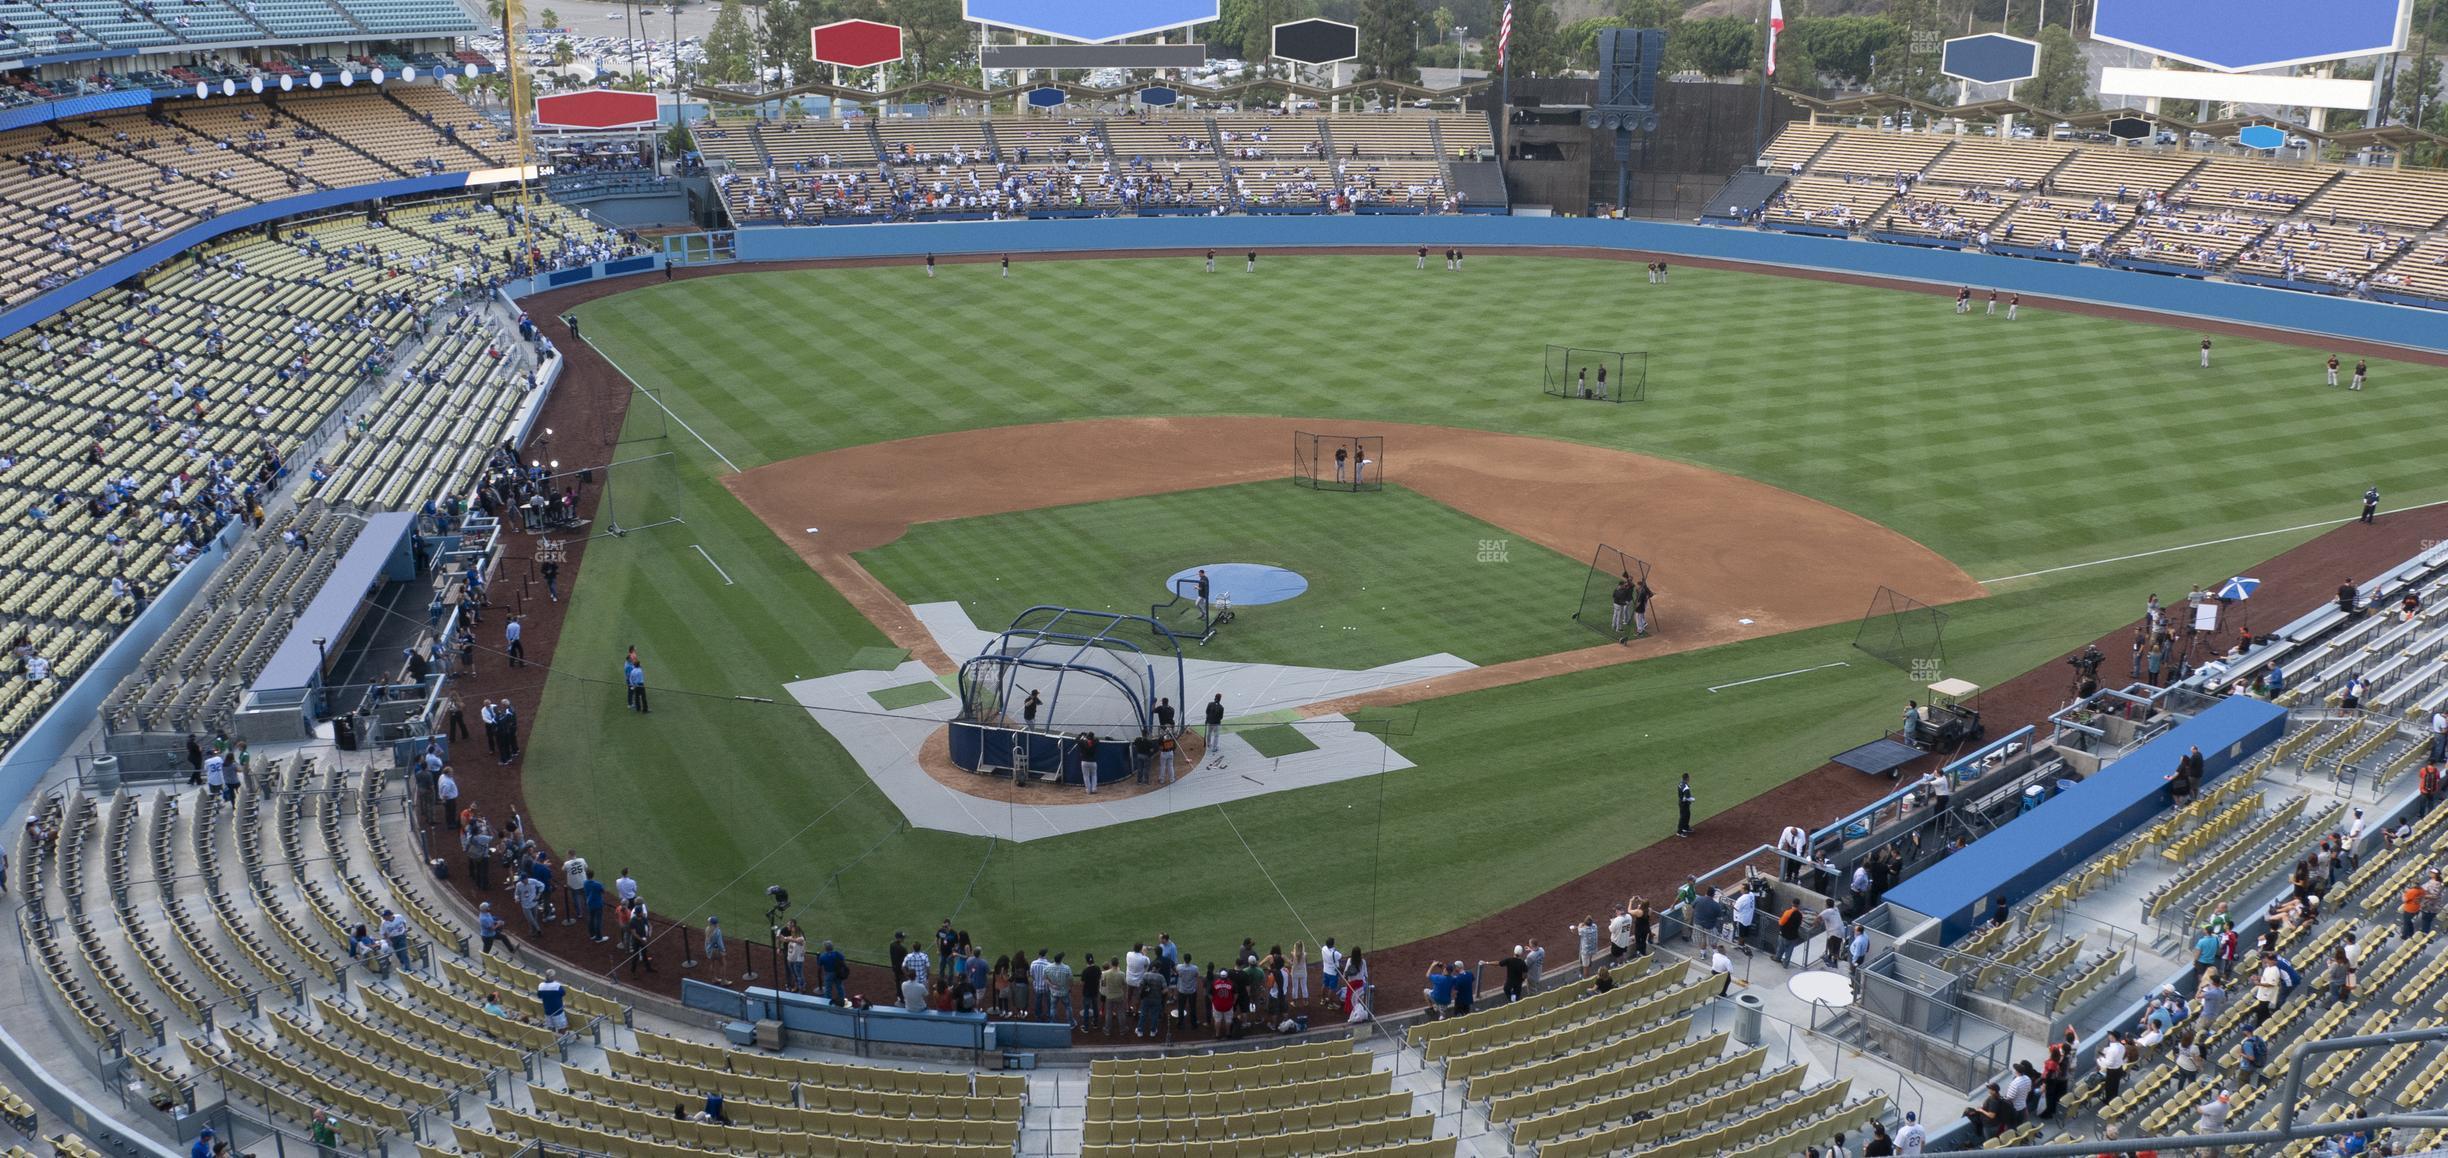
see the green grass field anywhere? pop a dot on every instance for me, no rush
(1357, 552)
(2010, 447)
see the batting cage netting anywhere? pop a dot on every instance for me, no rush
(1905, 632)
(1596, 375)
(1616, 597)
(1338, 462)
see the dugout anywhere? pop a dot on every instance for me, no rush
(1095, 672)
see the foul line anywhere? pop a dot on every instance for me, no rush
(717, 566)
(1778, 676)
(2203, 543)
(1262, 871)
(634, 384)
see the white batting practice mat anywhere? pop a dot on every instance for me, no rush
(886, 743)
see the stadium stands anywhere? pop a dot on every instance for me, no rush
(97, 188)
(240, 361)
(2310, 227)
(813, 170)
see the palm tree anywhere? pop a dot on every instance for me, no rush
(552, 19)
(563, 54)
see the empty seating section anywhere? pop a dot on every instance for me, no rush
(207, 22)
(1997, 164)
(2413, 200)
(112, 22)
(1313, 1098)
(420, 17)
(1880, 156)
(36, 30)
(302, 18)
(1795, 145)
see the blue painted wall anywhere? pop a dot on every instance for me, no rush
(2362, 321)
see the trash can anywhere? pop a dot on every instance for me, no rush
(1747, 1011)
(344, 733)
(106, 774)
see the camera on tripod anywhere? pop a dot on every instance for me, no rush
(781, 904)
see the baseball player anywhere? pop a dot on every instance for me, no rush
(1602, 383)
(1360, 467)
(1211, 261)
(1423, 258)
(1992, 310)
(2333, 365)
(1963, 300)
(1581, 382)
(2205, 353)
(1342, 457)
(1253, 261)
(2357, 383)
(2013, 303)
(930, 265)
(1623, 604)
(1007, 265)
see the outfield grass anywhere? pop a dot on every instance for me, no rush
(1392, 575)
(2008, 446)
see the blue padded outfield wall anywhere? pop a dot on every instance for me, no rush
(2039, 846)
(2377, 322)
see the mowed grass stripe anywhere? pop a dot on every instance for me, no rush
(2010, 447)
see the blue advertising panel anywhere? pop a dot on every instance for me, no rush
(1092, 21)
(1990, 58)
(2245, 35)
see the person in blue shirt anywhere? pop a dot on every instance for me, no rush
(554, 997)
(593, 893)
(2205, 952)
(203, 1147)
(1440, 989)
(1465, 984)
(635, 674)
(831, 967)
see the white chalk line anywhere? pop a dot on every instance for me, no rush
(1262, 871)
(1778, 676)
(718, 568)
(2203, 543)
(641, 388)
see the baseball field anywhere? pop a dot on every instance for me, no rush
(1800, 439)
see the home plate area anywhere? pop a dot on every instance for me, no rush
(890, 722)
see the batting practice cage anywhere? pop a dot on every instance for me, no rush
(1905, 632)
(1338, 462)
(1097, 672)
(1611, 570)
(1597, 375)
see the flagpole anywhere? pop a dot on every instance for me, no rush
(1759, 126)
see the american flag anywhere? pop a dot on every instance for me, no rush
(1504, 34)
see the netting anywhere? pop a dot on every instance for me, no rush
(1905, 632)
(1596, 375)
(1617, 600)
(1338, 462)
